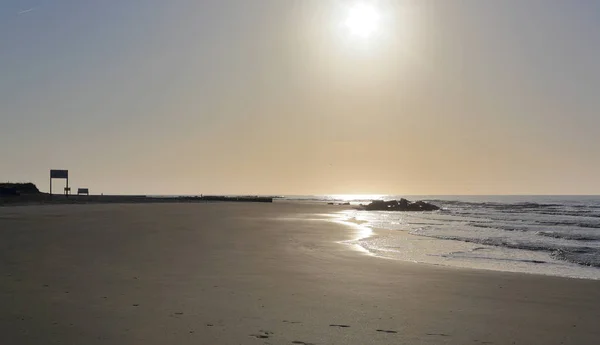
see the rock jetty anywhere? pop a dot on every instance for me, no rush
(400, 205)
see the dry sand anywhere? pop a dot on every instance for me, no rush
(227, 273)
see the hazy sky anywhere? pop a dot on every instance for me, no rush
(261, 97)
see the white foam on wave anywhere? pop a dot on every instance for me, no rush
(400, 236)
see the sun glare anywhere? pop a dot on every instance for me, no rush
(362, 20)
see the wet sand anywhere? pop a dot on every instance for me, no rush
(227, 273)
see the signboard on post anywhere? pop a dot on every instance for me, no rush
(60, 174)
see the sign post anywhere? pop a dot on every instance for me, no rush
(59, 174)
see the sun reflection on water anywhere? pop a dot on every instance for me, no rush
(355, 197)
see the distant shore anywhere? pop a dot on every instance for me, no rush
(44, 198)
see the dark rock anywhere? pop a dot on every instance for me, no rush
(400, 205)
(422, 206)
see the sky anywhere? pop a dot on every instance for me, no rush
(280, 97)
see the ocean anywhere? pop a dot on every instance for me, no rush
(552, 235)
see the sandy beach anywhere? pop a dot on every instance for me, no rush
(246, 273)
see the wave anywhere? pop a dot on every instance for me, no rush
(571, 223)
(581, 257)
(568, 236)
(586, 256)
(452, 255)
(526, 220)
(587, 213)
(499, 227)
(497, 205)
(462, 207)
(531, 226)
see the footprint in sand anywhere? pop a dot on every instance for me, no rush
(262, 334)
(340, 326)
(386, 331)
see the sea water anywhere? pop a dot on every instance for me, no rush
(552, 235)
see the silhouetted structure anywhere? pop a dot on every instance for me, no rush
(60, 174)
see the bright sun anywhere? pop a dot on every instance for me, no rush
(362, 20)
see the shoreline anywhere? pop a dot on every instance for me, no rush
(367, 232)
